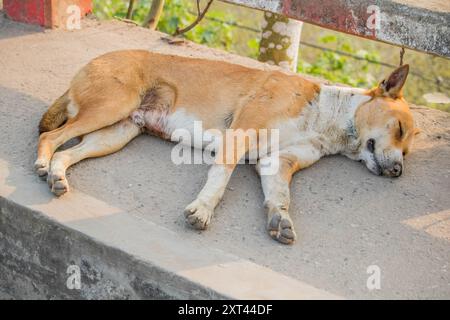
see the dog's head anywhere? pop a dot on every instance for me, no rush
(385, 126)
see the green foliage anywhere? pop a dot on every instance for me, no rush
(176, 13)
(339, 67)
(106, 9)
(211, 32)
(253, 47)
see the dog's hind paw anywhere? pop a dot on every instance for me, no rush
(198, 215)
(58, 184)
(281, 228)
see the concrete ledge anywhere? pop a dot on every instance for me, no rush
(120, 254)
(122, 223)
(36, 253)
(141, 262)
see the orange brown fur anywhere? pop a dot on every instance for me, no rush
(55, 115)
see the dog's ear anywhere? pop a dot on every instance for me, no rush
(392, 86)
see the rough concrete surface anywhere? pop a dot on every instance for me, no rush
(123, 225)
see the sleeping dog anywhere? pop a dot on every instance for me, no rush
(122, 94)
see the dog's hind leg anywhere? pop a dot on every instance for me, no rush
(88, 119)
(96, 144)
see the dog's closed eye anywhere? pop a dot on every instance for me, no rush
(400, 131)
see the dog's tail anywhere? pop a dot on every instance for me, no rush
(56, 115)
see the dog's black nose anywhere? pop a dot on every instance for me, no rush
(396, 170)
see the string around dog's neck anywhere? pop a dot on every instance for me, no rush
(353, 141)
(351, 129)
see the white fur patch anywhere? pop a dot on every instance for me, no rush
(323, 123)
(180, 119)
(218, 177)
(72, 109)
(336, 100)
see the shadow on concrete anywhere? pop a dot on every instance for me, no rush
(11, 29)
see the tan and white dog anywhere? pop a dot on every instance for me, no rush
(122, 94)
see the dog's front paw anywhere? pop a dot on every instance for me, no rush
(281, 228)
(41, 168)
(58, 184)
(198, 215)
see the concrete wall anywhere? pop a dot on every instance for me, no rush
(35, 253)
